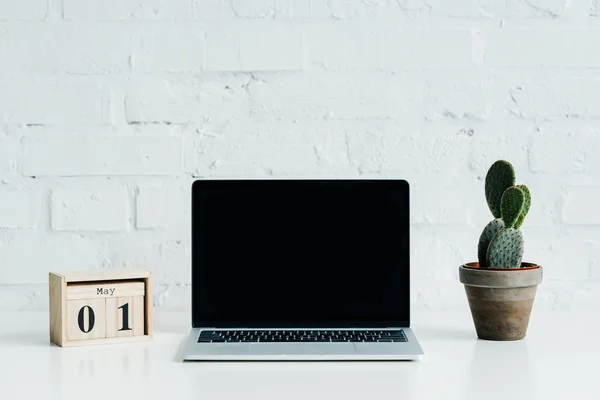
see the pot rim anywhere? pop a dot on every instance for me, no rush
(475, 266)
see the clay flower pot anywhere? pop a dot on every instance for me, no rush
(500, 299)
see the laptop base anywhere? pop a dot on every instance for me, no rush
(311, 351)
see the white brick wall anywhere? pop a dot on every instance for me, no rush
(101, 156)
(23, 10)
(109, 109)
(103, 210)
(581, 205)
(268, 48)
(165, 207)
(19, 208)
(33, 104)
(126, 10)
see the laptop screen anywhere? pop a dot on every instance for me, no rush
(300, 253)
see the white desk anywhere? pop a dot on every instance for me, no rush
(560, 359)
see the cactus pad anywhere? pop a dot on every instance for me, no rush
(527, 194)
(511, 205)
(488, 233)
(506, 249)
(519, 221)
(500, 177)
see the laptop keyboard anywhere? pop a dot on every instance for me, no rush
(237, 336)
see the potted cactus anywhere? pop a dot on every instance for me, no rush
(500, 287)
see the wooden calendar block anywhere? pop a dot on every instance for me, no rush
(86, 319)
(100, 307)
(125, 316)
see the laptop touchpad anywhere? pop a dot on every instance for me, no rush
(302, 348)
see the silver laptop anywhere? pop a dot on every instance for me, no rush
(301, 270)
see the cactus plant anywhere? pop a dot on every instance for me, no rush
(501, 287)
(501, 243)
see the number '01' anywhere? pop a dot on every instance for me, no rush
(92, 318)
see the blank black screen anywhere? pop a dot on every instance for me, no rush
(300, 253)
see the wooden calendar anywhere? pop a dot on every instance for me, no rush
(100, 307)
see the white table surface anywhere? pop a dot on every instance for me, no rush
(559, 359)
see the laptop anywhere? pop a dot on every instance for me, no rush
(300, 270)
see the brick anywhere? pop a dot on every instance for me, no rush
(286, 9)
(542, 48)
(547, 9)
(175, 50)
(540, 95)
(339, 47)
(174, 297)
(127, 10)
(349, 46)
(391, 151)
(254, 8)
(512, 10)
(436, 294)
(595, 259)
(413, 49)
(271, 148)
(53, 104)
(66, 48)
(184, 102)
(24, 297)
(93, 156)
(454, 95)
(581, 205)
(42, 252)
(23, 10)
(100, 210)
(556, 153)
(546, 194)
(319, 9)
(439, 250)
(210, 9)
(307, 9)
(462, 8)
(566, 146)
(162, 207)
(367, 10)
(586, 299)
(19, 208)
(9, 156)
(564, 255)
(439, 205)
(373, 150)
(222, 51)
(169, 260)
(335, 95)
(42, 130)
(486, 149)
(273, 49)
(347, 9)
(594, 10)
(592, 149)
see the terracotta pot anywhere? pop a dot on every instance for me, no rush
(500, 299)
